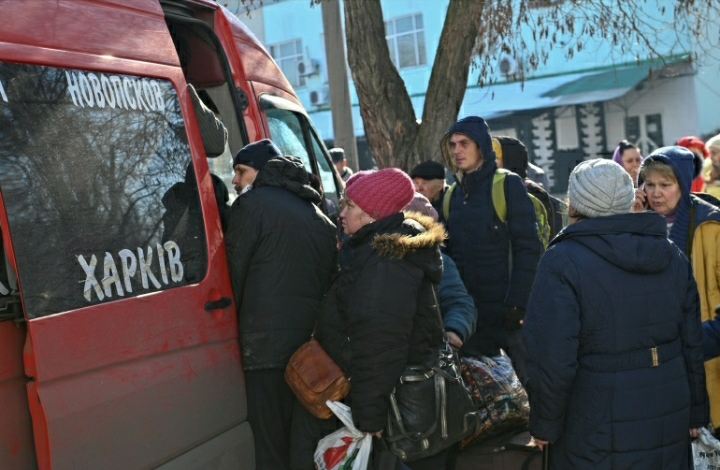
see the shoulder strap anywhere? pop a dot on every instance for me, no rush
(691, 232)
(542, 219)
(498, 194)
(446, 201)
(439, 316)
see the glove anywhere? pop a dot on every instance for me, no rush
(513, 317)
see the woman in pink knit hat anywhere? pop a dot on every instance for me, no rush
(379, 313)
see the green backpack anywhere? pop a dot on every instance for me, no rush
(500, 205)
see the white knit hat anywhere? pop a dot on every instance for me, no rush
(600, 187)
(713, 142)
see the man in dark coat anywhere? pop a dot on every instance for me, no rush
(429, 180)
(496, 260)
(515, 158)
(282, 253)
(616, 376)
(338, 157)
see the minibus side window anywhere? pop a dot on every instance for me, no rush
(98, 185)
(287, 134)
(326, 173)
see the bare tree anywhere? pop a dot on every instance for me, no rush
(393, 133)
(477, 33)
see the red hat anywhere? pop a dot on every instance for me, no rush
(693, 142)
(380, 193)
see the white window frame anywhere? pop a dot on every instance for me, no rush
(566, 129)
(289, 63)
(392, 39)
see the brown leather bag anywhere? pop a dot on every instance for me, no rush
(315, 378)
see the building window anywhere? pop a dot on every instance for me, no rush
(566, 128)
(288, 55)
(406, 40)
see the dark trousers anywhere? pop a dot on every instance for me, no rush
(515, 349)
(270, 413)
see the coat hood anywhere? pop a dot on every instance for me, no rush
(683, 163)
(289, 173)
(514, 155)
(634, 242)
(412, 237)
(686, 167)
(478, 130)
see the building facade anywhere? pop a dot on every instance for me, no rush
(565, 111)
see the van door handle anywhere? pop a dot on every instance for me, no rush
(218, 304)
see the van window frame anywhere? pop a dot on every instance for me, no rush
(268, 101)
(239, 103)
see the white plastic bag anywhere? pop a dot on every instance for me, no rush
(706, 451)
(345, 449)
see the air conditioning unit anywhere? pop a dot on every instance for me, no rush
(508, 65)
(306, 67)
(320, 96)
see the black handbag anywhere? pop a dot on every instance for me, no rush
(430, 408)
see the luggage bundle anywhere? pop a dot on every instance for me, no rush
(498, 396)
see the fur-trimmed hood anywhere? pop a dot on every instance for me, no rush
(409, 236)
(398, 244)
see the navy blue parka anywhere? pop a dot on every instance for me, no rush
(481, 245)
(607, 291)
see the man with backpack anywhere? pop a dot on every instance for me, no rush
(496, 258)
(512, 155)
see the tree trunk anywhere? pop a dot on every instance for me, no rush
(391, 129)
(449, 76)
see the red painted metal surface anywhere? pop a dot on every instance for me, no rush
(130, 29)
(130, 383)
(16, 441)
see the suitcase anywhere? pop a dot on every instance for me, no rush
(507, 452)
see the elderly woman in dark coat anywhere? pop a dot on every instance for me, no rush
(616, 378)
(379, 313)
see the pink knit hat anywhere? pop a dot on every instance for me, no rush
(380, 193)
(421, 204)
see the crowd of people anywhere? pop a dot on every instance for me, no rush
(604, 302)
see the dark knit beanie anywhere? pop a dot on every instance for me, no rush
(380, 193)
(429, 170)
(337, 154)
(256, 154)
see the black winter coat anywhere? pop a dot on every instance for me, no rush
(607, 291)
(282, 252)
(379, 314)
